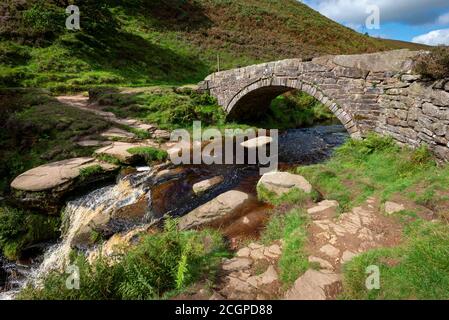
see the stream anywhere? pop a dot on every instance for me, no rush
(149, 195)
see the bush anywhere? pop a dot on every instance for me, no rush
(434, 65)
(159, 266)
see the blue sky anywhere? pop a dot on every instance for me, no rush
(423, 21)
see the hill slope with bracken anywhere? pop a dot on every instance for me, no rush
(145, 42)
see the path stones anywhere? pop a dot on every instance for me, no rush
(116, 133)
(393, 207)
(237, 264)
(321, 262)
(330, 251)
(315, 285)
(119, 151)
(283, 182)
(324, 210)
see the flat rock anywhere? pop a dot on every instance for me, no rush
(283, 182)
(393, 207)
(330, 250)
(324, 209)
(92, 143)
(256, 142)
(207, 184)
(237, 264)
(55, 174)
(214, 212)
(161, 134)
(347, 256)
(119, 150)
(315, 285)
(244, 252)
(323, 263)
(118, 133)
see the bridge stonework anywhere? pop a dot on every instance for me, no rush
(369, 92)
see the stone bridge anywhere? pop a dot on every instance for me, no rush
(368, 92)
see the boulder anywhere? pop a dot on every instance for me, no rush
(315, 285)
(161, 134)
(283, 182)
(214, 212)
(202, 186)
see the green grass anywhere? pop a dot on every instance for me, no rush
(418, 269)
(291, 228)
(158, 267)
(294, 197)
(19, 229)
(377, 166)
(90, 171)
(150, 154)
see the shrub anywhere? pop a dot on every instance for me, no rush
(159, 266)
(19, 229)
(434, 65)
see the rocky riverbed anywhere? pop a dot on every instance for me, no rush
(142, 196)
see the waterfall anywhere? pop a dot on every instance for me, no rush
(98, 204)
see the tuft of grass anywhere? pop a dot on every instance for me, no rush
(150, 154)
(418, 269)
(158, 267)
(291, 228)
(90, 171)
(294, 197)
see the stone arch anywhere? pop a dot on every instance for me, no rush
(257, 96)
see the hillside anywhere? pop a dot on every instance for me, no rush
(147, 42)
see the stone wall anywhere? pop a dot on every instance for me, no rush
(370, 92)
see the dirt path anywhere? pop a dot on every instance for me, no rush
(82, 102)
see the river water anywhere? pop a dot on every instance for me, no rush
(157, 197)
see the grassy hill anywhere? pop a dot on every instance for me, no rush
(148, 42)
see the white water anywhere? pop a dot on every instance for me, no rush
(98, 204)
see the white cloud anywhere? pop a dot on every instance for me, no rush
(443, 19)
(434, 38)
(413, 12)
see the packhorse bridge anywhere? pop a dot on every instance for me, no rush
(368, 92)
